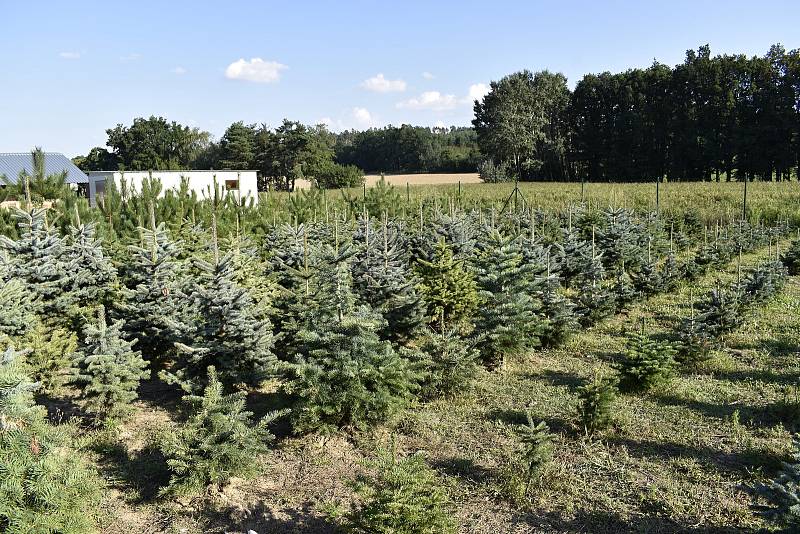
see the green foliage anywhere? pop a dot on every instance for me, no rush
(561, 321)
(92, 276)
(783, 494)
(492, 173)
(791, 258)
(595, 402)
(219, 441)
(451, 363)
(39, 185)
(508, 319)
(222, 330)
(44, 486)
(344, 375)
(108, 369)
(447, 287)
(49, 357)
(155, 144)
(402, 497)
(330, 175)
(648, 363)
(529, 461)
(16, 309)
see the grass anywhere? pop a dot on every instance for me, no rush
(676, 459)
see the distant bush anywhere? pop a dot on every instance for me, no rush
(647, 364)
(330, 175)
(491, 173)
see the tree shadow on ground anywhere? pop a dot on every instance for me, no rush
(264, 519)
(606, 522)
(63, 408)
(769, 415)
(144, 472)
(157, 393)
(730, 462)
(520, 417)
(465, 469)
(560, 378)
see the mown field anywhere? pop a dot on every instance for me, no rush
(682, 456)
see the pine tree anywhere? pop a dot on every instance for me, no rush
(594, 301)
(343, 374)
(721, 312)
(92, 277)
(791, 258)
(783, 493)
(49, 358)
(16, 309)
(537, 449)
(451, 363)
(108, 369)
(44, 486)
(36, 259)
(403, 497)
(218, 442)
(625, 293)
(696, 341)
(447, 287)
(561, 321)
(222, 331)
(509, 317)
(647, 363)
(671, 273)
(382, 278)
(154, 307)
(596, 398)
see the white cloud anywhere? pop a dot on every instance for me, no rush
(437, 101)
(256, 70)
(427, 75)
(69, 55)
(477, 91)
(432, 100)
(131, 57)
(380, 84)
(363, 117)
(179, 70)
(326, 121)
(439, 124)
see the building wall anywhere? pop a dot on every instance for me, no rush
(199, 181)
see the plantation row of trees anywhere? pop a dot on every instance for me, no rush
(725, 116)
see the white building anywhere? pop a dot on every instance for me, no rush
(242, 183)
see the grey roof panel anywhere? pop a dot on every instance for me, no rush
(12, 163)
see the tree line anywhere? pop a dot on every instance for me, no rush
(710, 117)
(287, 153)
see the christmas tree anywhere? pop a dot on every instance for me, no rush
(721, 312)
(783, 494)
(402, 497)
(92, 276)
(218, 442)
(447, 287)
(509, 317)
(37, 260)
(108, 369)
(561, 321)
(594, 301)
(383, 279)
(647, 363)
(222, 331)
(44, 486)
(343, 374)
(49, 357)
(596, 398)
(16, 316)
(451, 363)
(537, 449)
(155, 307)
(791, 258)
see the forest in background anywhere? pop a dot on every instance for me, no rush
(710, 117)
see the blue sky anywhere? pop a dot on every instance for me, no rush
(69, 70)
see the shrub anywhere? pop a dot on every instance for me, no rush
(491, 173)
(527, 464)
(791, 258)
(219, 441)
(451, 362)
(648, 363)
(402, 497)
(448, 289)
(49, 358)
(330, 175)
(594, 408)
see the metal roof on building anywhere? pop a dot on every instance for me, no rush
(11, 163)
